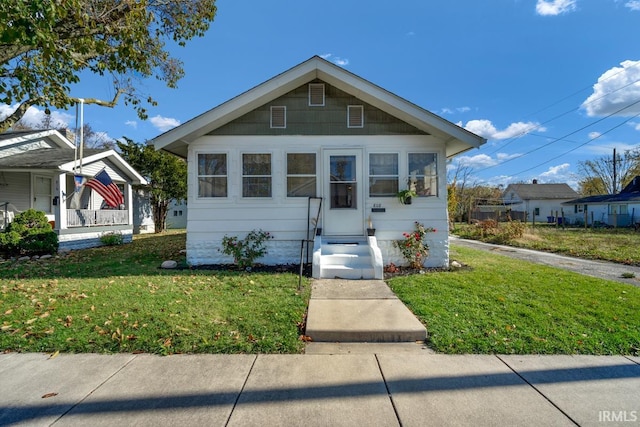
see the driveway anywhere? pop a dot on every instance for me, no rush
(599, 269)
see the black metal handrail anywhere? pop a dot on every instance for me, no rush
(308, 240)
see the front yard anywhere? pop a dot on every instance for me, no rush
(116, 299)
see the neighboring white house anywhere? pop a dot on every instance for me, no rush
(38, 170)
(177, 214)
(315, 134)
(615, 210)
(540, 202)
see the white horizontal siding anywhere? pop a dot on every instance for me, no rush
(209, 219)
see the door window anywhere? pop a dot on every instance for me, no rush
(344, 187)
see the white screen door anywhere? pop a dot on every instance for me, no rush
(343, 193)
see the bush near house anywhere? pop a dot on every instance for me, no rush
(29, 234)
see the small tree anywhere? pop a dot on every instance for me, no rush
(166, 173)
(29, 234)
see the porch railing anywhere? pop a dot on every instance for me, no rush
(91, 218)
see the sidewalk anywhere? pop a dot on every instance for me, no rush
(408, 389)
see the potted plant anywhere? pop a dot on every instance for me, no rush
(370, 230)
(405, 196)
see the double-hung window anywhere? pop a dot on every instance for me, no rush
(383, 174)
(212, 175)
(423, 173)
(256, 175)
(301, 174)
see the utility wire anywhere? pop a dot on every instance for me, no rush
(538, 126)
(563, 137)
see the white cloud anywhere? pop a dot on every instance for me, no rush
(34, 117)
(487, 130)
(594, 135)
(164, 123)
(447, 110)
(478, 161)
(556, 172)
(616, 89)
(606, 149)
(132, 123)
(335, 59)
(555, 7)
(633, 5)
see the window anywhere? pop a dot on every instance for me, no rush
(616, 209)
(316, 94)
(278, 117)
(383, 174)
(301, 174)
(423, 173)
(256, 175)
(212, 175)
(355, 116)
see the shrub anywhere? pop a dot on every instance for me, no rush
(414, 247)
(113, 238)
(247, 250)
(34, 235)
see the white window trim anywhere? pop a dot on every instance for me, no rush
(243, 176)
(197, 175)
(354, 107)
(284, 108)
(397, 175)
(287, 175)
(316, 85)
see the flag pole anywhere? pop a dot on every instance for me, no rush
(81, 131)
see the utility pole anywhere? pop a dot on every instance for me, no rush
(615, 173)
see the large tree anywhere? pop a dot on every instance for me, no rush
(45, 45)
(166, 173)
(599, 176)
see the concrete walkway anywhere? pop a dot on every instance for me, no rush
(359, 311)
(405, 389)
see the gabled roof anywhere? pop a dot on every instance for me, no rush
(11, 138)
(540, 191)
(630, 193)
(61, 156)
(456, 138)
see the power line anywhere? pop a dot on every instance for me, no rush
(565, 136)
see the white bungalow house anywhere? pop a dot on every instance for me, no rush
(539, 202)
(317, 145)
(613, 210)
(38, 170)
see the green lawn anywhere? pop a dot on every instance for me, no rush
(502, 305)
(116, 299)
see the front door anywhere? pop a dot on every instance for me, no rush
(343, 193)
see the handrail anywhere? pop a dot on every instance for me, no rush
(307, 240)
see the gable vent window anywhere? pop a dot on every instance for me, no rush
(355, 116)
(278, 117)
(316, 94)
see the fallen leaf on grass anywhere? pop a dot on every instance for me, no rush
(54, 355)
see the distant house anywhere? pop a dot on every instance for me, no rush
(41, 170)
(177, 214)
(615, 210)
(317, 146)
(539, 202)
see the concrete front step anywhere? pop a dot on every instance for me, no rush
(352, 272)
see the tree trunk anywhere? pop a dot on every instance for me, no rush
(159, 214)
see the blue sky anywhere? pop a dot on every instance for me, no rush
(546, 82)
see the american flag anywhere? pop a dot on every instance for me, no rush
(104, 186)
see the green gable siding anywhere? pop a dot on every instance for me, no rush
(330, 119)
